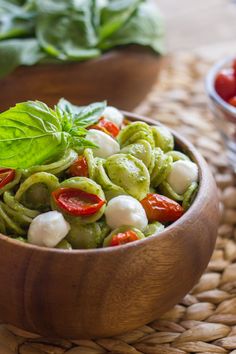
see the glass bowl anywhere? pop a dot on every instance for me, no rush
(224, 113)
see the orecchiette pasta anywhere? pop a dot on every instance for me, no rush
(129, 173)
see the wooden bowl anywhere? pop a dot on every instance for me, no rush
(122, 77)
(109, 291)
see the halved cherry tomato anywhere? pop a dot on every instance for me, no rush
(6, 175)
(232, 101)
(160, 208)
(106, 126)
(225, 84)
(79, 167)
(124, 237)
(76, 202)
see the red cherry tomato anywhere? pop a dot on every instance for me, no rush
(77, 202)
(160, 208)
(225, 84)
(234, 67)
(124, 237)
(107, 127)
(6, 175)
(79, 167)
(232, 101)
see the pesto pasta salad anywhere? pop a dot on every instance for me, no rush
(85, 177)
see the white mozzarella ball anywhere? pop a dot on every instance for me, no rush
(114, 115)
(107, 146)
(182, 174)
(125, 210)
(48, 229)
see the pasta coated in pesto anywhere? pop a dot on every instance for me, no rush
(85, 236)
(134, 132)
(163, 138)
(102, 200)
(166, 189)
(153, 229)
(110, 189)
(55, 167)
(129, 173)
(189, 195)
(161, 168)
(142, 150)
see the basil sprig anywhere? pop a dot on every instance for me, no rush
(31, 133)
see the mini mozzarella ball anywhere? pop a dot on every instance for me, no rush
(107, 146)
(182, 174)
(114, 115)
(48, 229)
(125, 210)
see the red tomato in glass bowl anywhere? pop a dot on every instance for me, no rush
(232, 101)
(234, 67)
(225, 84)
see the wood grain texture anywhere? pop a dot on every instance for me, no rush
(123, 77)
(105, 292)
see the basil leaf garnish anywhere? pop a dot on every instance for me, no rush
(31, 133)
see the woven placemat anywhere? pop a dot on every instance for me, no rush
(205, 320)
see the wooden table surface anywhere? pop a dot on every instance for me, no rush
(195, 23)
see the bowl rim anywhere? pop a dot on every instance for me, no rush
(109, 55)
(195, 207)
(210, 87)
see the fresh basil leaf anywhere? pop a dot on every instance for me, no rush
(17, 2)
(115, 14)
(15, 20)
(82, 143)
(67, 111)
(96, 15)
(17, 52)
(82, 116)
(33, 134)
(101, 3)
(30, 134)
(78, 132)
(68, 107)
(52, 7)
(35, 31)
(90, 114)
(73, 36)
(145, 27)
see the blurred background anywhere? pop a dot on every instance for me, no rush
(196, 23)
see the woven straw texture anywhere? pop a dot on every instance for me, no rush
(205, 320)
